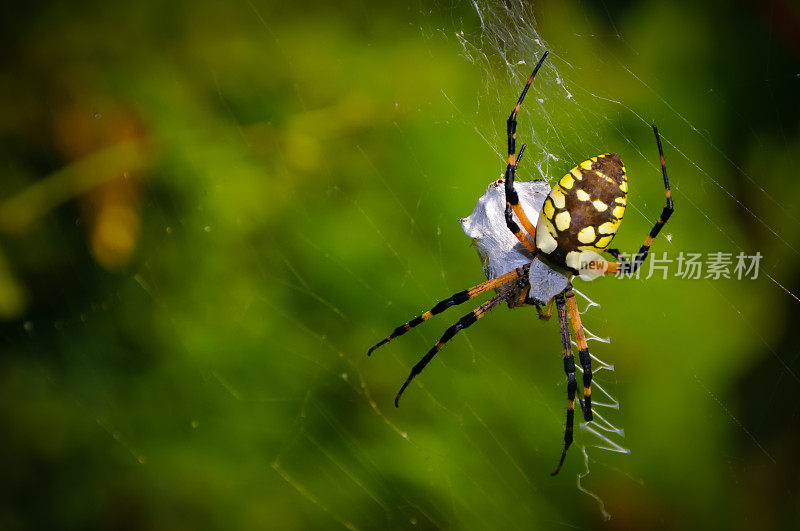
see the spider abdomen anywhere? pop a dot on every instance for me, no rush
(583, 211)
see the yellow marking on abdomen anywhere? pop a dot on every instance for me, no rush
(586, 235)
(557, 195)
(548, 209)
(604, 177)
(562, 220)
(573, 259)
(609, 227)
(603, 242)
(544, 237)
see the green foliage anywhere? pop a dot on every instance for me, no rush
(212, 209)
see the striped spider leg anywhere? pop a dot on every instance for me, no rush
(624, 266)
(608, 267)
(520, 275)
(576, 222)
(565, 303)
(518, 292)
(569, 369)
(512, 198)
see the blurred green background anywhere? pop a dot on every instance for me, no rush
(210, 210)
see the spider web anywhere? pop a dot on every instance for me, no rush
(569, 116)
(506, 45)
(571, 120)
(275, 414)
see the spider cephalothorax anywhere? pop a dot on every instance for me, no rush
(577, 219)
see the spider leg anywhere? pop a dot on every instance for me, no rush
(548, 311)
(569, 368)
(462, 323)
(521, 296)
(620, 265)
(512, 199)
(583, 353)
(631, 267)
(510, 223)
(458, 298)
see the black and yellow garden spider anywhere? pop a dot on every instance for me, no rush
(577, 221)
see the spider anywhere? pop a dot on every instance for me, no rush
(577, 220)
